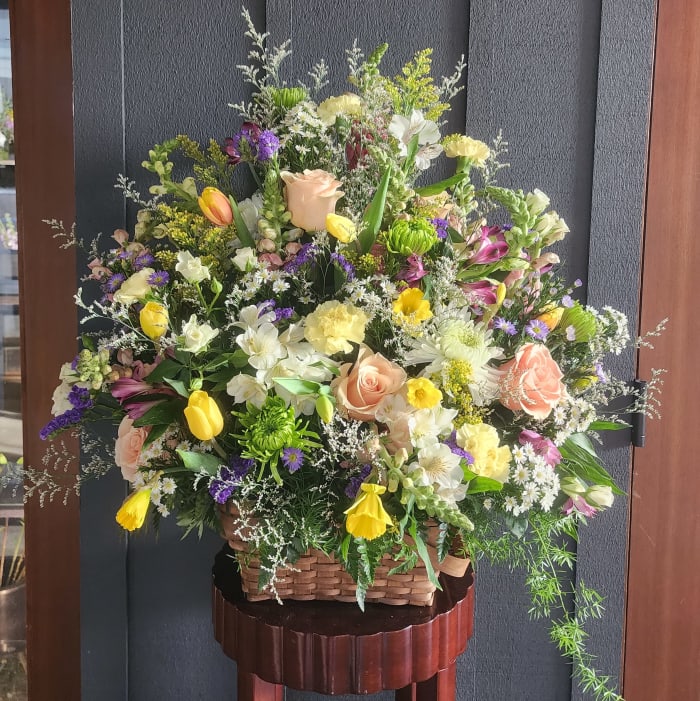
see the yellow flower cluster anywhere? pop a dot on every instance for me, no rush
(455, 382)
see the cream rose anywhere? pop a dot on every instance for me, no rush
(531, 382)
(363, 384)
(127, 449)
(134, 288)
(195, 336)
(334, 326)
(481, 442)
(310, 196)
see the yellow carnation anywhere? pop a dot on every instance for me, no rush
(349, 105)
(457, 146)
(481, 441)
(334, 326)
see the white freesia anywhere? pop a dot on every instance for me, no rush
(427, 425)
(404, 129)
(250, 211)
(251, 318)
(262, 346)
(195, 336)
(191, 267)
(245, 259)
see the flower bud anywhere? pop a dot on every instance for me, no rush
(324, 408)
(203, 416)
(536, 201)
(600, 496)
(340, 228)
(154, 320)
(572, 486)
(215, 206)
(132, 512)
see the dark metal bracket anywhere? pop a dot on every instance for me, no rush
(638, 419)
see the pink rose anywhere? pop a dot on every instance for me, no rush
(531, 382)
(127, 448)
(364, 383)
(310, 196)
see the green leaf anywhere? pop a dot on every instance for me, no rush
(87, 342)
(163, 413)
(178, 386)
(372, 220)
(241, 229)
(166, 368)
(580, 459)
(200, 461)
(437, 188)
(154, 434)
(517, 525)
(484, 484)
(608, 426)
(411, 151)
(296, 386)
(423, 553)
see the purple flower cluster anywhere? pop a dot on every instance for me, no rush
(353, 486)
(451, 443)
(229, 478)
(270, 305)
(307, 254)
(508, 327)
(143, 260)
(293, 458)
(80, 399)
(344, 264)
(537, 329)
(440, 227)
(251, 144)
(159, 278)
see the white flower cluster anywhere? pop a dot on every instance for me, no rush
(572, 416)
(537, 480)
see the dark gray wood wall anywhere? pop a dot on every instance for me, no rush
(567, 82)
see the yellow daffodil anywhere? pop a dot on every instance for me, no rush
(203, 416)
(215, 206)
(366, 518)
(411, 307)
(132, 513)
(154, 320)
(422, 393)
(340, 228)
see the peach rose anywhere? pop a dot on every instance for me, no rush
(127, 448)
(310, 196)
(364, 383)
(531, 382)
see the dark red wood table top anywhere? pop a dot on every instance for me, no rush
(335, 648)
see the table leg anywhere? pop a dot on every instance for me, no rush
(252, 688)
(441, 687)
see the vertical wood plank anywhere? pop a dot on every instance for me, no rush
(42, 92)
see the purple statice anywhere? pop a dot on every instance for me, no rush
(353, 485)
(158, 278)
(451, 443)
(307, 254)
(283, 313)
(59, 423)
(268, 145)
(80, 398)
(114, 283)
(567, 301)
(344, 264)
(267, 305)
(440, 225)
(242, 146)
(508, 327)
(221, 487)
(537, 329)
(143, 260)
(293, 458)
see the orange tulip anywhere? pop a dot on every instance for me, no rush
(215, 206)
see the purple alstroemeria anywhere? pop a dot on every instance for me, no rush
(541, 445)
(491, 246)
(578, 504)
(413, 271)
(482, 292)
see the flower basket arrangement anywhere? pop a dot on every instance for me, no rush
(356, 363)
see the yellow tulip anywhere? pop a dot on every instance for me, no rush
(340, 228)
(154, 320)
(215, 206)
(366, 518)
(203, 416)
(132, 513)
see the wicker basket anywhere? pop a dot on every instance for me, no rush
(316, 576)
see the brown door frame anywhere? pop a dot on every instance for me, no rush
(43, 102)
(662, 643)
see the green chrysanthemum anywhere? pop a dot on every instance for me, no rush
(411, 236)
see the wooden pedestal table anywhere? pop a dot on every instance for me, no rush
(334, 648)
